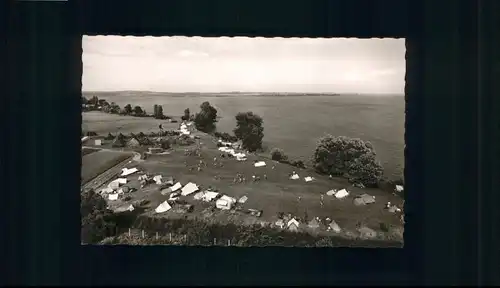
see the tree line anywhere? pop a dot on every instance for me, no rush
(96, 104)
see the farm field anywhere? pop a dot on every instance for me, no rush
(96, 163)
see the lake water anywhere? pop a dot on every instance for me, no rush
(294, 123)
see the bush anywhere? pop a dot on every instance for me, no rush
(184, 140)
(206, 119)
(298, 164)
(348, 157)
(226, 137)
(165, 144)
(96, 220)
(249, 130)
(278, 155)
(127, 109)
(138, 111)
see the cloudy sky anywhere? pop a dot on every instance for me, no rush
(198, 64)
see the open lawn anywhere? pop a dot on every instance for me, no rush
(103, 123)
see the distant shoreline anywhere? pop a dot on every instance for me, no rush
(230, 94)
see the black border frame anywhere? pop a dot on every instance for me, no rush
(446, 103)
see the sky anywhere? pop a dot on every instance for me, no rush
(225, 64)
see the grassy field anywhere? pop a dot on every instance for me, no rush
(103, 123)
(96, 163)
(276, 194)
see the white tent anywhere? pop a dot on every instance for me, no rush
(292, 222)
(209, 196)
(176, 187)
(399, 188)
(331, 192)
(228, 199)
(157, 179)
(199, 195)
(308, 178)
(106, 190)
(243, 199)
(113, 197)
(260, 164)
(126, 171)
(294, 177)
(341, 194)
(189, 188)
(163, 207)
(121, 180)
(114, 185)
(97, 142)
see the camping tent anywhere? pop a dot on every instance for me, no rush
(308, 178)
(163, 207)
(243, 199)
(331, 192)
(209, 196)
(189, 188)
(293, 225)
(113, 197)
(399, 188)
(294, 177)
(260, 164)
(176, 187)
(157, 179)
(341, 194)
(126, 171)
(364, 199)
(133, 143)
(199, 195)
(118, 142)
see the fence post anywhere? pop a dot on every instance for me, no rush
(229, 242)
(142, 233)
(170, 236)
(185, 238)
(156, 235)
(215, 241)
(128, 232)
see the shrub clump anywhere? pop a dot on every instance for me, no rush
(226, 137)
(351, 158)
(97, 221)
(278, 154)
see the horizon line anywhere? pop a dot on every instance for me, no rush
(262, 92)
